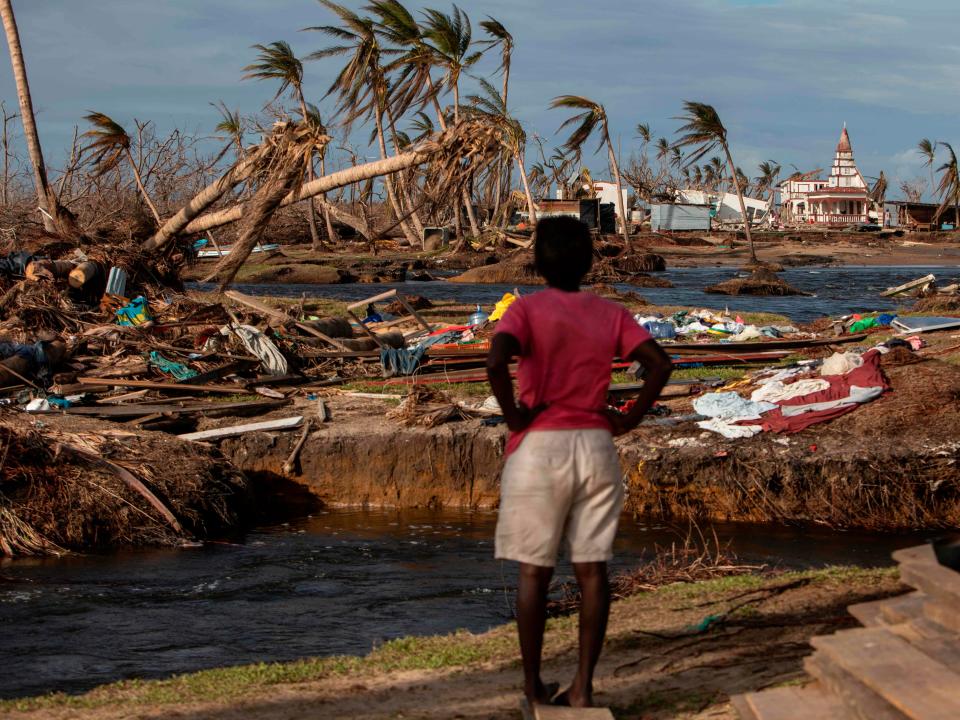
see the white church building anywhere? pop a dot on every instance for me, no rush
(841, 199)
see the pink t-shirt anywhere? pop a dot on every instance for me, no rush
(568, 341)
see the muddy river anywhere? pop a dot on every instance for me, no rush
(335, 582)
(836, 290)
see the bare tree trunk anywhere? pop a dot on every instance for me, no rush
(406, 200)
(531, 207)
(30, 133)
(624, 220)
(7, 117)
(388, 184)
(143, 190)
(471, 215)
(743, 207)
(332, 237)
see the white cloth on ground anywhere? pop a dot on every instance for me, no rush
(750, 332)
(729, 430)
(775, 391)
(260, 345)
(730, 406)
(841, 363)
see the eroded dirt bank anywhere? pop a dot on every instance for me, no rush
(892, 464)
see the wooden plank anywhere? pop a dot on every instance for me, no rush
(553, 712)
(163, 386)
(790, 703)
(234, 430)
(914, 554)
(933, 579)
(888, 611)
(907, 679)
(376, 298)
(749, 347)
(412, 311)
(862, 702)
(139, 410)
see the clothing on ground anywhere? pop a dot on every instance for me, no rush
(861, 384)
(260, 345)
(568, 341)
(841, 363)
(776, 391)
(730, 406)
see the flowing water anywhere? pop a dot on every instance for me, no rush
(336, 582)
(836, 290)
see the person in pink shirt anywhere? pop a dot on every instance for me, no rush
(561, 479)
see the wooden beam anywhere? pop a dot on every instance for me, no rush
(234, 430)
(163, 386)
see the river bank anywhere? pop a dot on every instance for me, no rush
(658, 662)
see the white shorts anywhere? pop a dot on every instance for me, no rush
(560, 483)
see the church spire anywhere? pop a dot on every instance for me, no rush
(844, 145)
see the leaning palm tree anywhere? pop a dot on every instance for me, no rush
(51, 211)
(928, 149)
(593, 117)
(277, 61)
(949, 187)
(704, 131)
(490, 106)
(500, 36)
(109, 143)
(362, 85)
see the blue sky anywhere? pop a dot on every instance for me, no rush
(784, 75)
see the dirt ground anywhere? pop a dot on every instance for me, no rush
(679, 652)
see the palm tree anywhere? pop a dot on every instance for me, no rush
(362, 84)
(949, 188)
(231, 125)
(500, 36)
(491, 106)
(767, 180)
(277, 61)
(48, 203)
(592, 118)
(109, 143)
(450, 37)
(704, 131)
(928, 150)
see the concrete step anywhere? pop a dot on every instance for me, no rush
(791, 703)
(888, 611)
(882, 676)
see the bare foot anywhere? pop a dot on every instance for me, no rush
(573, 698)
(543, 693)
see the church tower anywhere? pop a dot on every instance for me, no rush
(844, 172)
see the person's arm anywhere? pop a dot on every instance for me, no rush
(503, 349)
(658, 367)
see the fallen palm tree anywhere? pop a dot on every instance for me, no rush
(451, 156)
